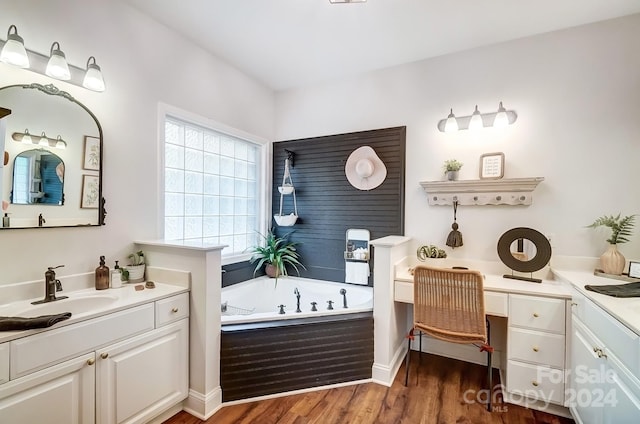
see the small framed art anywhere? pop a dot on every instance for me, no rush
(90, 192)
(634, 269)
(492, 166)
(91, 156)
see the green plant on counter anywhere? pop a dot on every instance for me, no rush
(621, 227)
(137, 258)
(452, 165)
(430, 251)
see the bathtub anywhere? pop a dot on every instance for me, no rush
(259, 299)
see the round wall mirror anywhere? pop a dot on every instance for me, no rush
(524, 250)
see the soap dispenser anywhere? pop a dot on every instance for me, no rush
(5, 221)
(102, 275)
(116, 274)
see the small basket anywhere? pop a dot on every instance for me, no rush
(285, 220)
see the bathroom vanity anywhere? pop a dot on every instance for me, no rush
(124, 360)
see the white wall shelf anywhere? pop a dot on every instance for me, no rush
(505, 191)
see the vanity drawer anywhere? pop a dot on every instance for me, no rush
(172, 309)
(4, 362)
(538, 313)
(403, 291)
(536, 347)
(45, 349)
(496, 304)
(536, 382)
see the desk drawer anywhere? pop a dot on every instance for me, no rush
(538, 313)
(536, 347)
(536, 382)
(496, 304)
(403, 291)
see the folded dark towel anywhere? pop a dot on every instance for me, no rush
(617, 290)
(20, 323)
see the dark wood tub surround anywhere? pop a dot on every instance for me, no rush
(280, 356)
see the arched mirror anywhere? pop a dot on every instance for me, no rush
(58, 163)
(38, 178)
(524, 250)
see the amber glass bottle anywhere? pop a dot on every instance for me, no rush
(102, 275)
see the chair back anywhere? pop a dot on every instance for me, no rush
(449, 304)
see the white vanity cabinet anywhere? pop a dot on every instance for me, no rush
(536, 348)
(122, 367)
(4, 362)
(604, 367)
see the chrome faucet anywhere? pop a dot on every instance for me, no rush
(41, 221)
(51, 286)
(297, 293)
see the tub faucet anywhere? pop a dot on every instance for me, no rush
(51, 286)
(343, 292)
(281, 309)
(41, 221)
(313, 306)
(330, 307)
(297, 293)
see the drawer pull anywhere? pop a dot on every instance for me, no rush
(535, 315)
(104, 355)
(534, 383)
(174, 310)
(535, 349)
(91, 361)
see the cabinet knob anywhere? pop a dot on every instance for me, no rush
(91, 361)
(534, 383)
(535, 349)
(174, 310)
(105, 355)
(535, 315)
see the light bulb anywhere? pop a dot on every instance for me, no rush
(93, 77)
(44, 141)
(57, 66)
(451, 125)
(60, 144)
(501, 120)
(26, 138)
(476, 120)
(13, 51)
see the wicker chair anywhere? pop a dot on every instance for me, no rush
(448, 304)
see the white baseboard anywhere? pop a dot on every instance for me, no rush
(385, 374)
(201, 406)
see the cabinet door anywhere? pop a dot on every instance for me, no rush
(584, 384)
(139, 378)
(64, 393)
(622, 405)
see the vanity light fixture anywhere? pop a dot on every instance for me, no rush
(42, 140)
(13, 51)
(477, 120)
(57, 67)
(93, 77)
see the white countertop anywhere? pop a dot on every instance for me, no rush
(124, 297)
(498, 283)
(625, 310)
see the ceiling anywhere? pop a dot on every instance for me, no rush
(290, 43)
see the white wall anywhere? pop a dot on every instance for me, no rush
(577, 95)
(143, 63)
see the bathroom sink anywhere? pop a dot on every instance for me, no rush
(75, 305)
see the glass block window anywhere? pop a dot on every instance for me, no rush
(210, 186)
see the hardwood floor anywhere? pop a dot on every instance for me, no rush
(435, 394)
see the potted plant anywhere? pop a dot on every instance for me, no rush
(612, 260)
(136, 267)
(430, 251)
(276, 253)
(451, 168)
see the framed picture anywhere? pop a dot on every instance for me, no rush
(91, 155)
(492, 166)
(90, 192)
(634, 269)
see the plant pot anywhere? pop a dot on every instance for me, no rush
(452, 175)
(612, 261)
(136, 273)
(272, 271)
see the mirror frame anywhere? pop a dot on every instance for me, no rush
(52, 90)
(539, 261)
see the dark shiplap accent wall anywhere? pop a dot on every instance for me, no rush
(266, 358)
(328, 205)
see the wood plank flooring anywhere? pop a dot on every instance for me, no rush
(434, 395)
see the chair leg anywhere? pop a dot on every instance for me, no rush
(420, 348)
(406, 364)
(489, 369)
